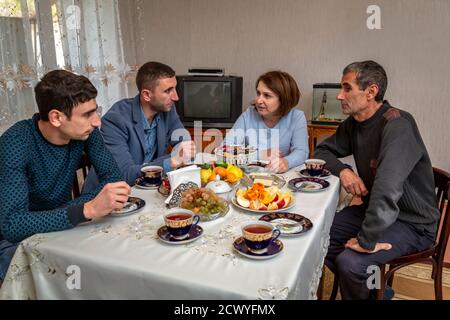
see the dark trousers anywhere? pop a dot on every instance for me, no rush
(352, 267)
(7, 250)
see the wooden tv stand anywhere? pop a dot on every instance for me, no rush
(317, 133)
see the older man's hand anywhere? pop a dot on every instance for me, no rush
(352, 183)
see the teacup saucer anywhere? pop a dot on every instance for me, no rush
(193, 235)
(308, 184)
(325, 174)
(141, 184)
(289, 224)
(133, 205)
(274, 248)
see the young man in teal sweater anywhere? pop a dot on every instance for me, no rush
(38, 162)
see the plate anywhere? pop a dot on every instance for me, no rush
(274, 249)
(255, 167)
(194, 234)
(325, 174)
(277, 180)
(141, 184)
(289, 224)
(133, 205)
(292, 204)
(308, 184)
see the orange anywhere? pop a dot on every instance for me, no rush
(221, 171)
(231, 177)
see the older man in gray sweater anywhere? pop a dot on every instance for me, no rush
(399, 212)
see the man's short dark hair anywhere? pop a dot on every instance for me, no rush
(367, 73)
(62, 90)
(149, 74)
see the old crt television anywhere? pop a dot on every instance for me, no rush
(215, 100)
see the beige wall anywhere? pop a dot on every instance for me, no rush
(313, 40)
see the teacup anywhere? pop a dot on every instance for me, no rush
(314, 167)
(179, 222)
(258, 235)
(152, 175)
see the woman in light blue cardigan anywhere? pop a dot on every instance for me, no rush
(273, 125)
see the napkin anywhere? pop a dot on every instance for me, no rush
(183, 175)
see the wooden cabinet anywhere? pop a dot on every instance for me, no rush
(206, 139)
(317, 133)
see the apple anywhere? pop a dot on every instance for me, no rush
(287, 200)
(281, 203)
(255, 204)
(243, 202)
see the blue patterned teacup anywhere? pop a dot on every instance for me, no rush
(179, 222)
(152, 175)
(314, 167)
(258, 235)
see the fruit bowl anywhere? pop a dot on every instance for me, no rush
(204, 202)
(258, 198)
(214, 216)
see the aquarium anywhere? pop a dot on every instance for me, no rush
(326, 109)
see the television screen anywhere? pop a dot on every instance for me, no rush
(207, 99)
(216, 101)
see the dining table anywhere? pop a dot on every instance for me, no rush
(122, 257)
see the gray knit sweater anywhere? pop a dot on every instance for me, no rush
(393, 162)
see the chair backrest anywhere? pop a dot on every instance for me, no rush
(442, 183)
(83, 166)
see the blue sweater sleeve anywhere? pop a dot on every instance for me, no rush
(299, 148)
(17, 222)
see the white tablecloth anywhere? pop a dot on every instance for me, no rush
(121, 258)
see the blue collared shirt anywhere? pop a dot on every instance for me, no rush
(150, 131)
(150, 136)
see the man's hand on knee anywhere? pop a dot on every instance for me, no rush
(352, 183)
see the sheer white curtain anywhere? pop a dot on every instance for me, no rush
(83, 36)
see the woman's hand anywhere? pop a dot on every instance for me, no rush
(269, 154)
(278, 165)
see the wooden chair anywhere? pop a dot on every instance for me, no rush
(435, 254)
(84, 166)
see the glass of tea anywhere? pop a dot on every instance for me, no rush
(179, 222)
(258, 235)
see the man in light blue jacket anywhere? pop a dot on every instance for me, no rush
(139, 130)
